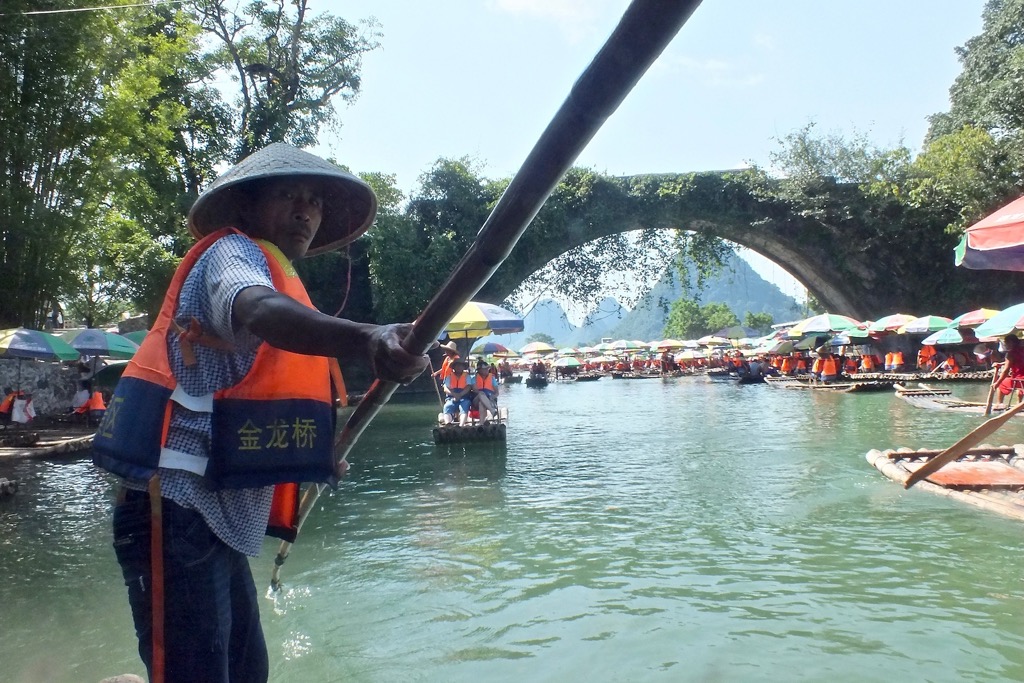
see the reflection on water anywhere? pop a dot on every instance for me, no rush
(628, 530)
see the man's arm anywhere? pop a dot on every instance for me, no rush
(286, 324)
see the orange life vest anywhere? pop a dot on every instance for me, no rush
(276, 426)
(889, 359)
(485, 382)
(897, 358)
(829, 367)
(867, 363)
(787, 365)
(456, 381)
(816, 366)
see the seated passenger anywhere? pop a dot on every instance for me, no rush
(456, 391)
(485, 388)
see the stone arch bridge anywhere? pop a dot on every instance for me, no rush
(836, 249)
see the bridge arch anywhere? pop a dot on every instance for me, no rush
(842, 260)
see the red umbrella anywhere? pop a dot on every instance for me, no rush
(996, 242)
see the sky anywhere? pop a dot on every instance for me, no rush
(483, 78)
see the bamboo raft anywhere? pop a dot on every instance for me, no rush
(988, 477)
(845, 386)
(474, 430)
(931, 398)
(45, 445)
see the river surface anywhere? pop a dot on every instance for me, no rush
(646, 530)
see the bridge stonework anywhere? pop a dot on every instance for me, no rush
(849, 267)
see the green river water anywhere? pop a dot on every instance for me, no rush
(648, 530)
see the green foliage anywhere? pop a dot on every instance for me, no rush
(987, 93)
(962, 176)
(541, 337)
(687, 319)
(414, 249)
(762, 322)
(974, 156)
(289, 64)
(684, 320)
(717, 316)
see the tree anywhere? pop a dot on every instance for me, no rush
(290, 65)
(718, 315)
(762, 322)
(64, 118)
(987, 94)
(685, 320)
(541, 337)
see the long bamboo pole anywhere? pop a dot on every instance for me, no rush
(642, 34)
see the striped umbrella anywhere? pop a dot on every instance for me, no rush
(973, 318)
(478, 319)
(93, 342)
(891, 323)
(925, 324)
(21, 342)
(1007, 321)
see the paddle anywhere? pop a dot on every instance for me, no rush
(643, 32)
(962, 446)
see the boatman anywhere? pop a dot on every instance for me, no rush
(457, 388)
(229, 395)
(1010, 377)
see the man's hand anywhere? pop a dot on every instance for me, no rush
(391, 362)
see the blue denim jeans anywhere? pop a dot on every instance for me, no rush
(212, 621)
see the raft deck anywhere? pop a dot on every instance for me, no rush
(988, 477)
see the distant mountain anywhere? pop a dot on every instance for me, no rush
(598, 323)
(737, 286)
(547, 317)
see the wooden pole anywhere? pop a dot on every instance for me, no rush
(644, 31)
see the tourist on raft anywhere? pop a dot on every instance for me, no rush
(1010, 376)
(228, 405)
(457, 388)
(485, 392)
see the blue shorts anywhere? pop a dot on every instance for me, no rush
(454, 405)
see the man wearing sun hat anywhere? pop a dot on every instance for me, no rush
(228, 405)
(451, 354)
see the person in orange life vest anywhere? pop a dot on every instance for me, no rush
(801, 364)
(450, 354)
(850, 365)
(1010, 375)
(867, 363)
(7, 404)
(787, 365)
(233, 402)
(829, 367)
(485, 392)
(949, 366)
(457, 388)
(926, 357)
(897, 361)
(504, 370)
(889, 361)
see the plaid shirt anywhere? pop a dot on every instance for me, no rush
(237, 516)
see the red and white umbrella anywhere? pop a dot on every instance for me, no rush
(996, 242)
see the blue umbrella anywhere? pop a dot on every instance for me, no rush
(489, 349)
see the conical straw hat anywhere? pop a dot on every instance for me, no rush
(349, 203)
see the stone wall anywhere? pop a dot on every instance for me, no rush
(52, 385)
